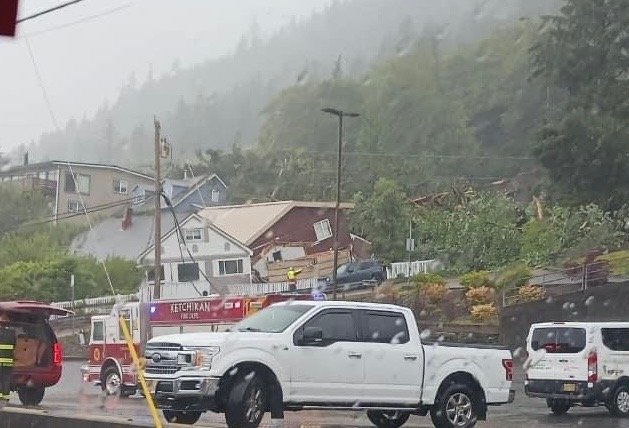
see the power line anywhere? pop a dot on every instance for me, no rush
(44, 12)
(40, 81)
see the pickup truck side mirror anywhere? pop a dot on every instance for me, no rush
(312, 336)
(535, 345)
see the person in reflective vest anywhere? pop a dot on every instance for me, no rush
(292, 278)
(7, 348)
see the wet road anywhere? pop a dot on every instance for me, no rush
(72, 397)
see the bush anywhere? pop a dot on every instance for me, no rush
(618, 262)
(476, 279)
(479, 296)
(433, 293)
(428, 278)
(388, 293)
(531, 293)
(483, 313)
(515, 275)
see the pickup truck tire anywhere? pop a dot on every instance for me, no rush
(247, 401)
(557, 406)
(387, 418)
(185, 418)
(455, 408)
(30, 396)
(619, 402)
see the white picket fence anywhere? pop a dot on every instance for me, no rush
(406, 269)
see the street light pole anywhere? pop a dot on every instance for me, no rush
(339, 114)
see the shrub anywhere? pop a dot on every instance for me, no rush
(428, 278)
(433, 293)
(531, 293)
(476, 279)
(479, 296)
(388, 293)
(483, 313)
(618, 262)
(515, 275)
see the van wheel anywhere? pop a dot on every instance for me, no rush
(246, 403)
(185, 418)
(455, 408)
(558, 407)
(387, 418)
(30, 396)
(111, 382)
(619, 402)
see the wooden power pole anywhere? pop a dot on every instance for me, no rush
(158, 218)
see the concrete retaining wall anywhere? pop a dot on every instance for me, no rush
(604, 303)
(28, 418)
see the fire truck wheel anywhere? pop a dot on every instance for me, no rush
(111, 382)
(186, 418)
(247, 401)
(30, 396)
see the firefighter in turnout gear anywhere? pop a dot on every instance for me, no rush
(292, 278)
(7, 348)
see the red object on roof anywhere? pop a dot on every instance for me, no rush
(33, 307)
(8, 16)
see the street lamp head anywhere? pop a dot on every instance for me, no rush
(332, 111)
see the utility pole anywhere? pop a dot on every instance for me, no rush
(158, 218)
(340, 115)
(72, 288)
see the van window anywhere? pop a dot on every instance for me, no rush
(559, 340)
(616, 339)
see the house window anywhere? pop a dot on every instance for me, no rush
(227, 246)
(77, 183)
(322, 229)
(277, 256)
(216, 195)
(74, 207)
(192, 235)
(121, 186)
(187, 272)
(150, 274)
(230, 267)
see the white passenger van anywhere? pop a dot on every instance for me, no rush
(579, 363)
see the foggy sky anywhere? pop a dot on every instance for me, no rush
(85, 59)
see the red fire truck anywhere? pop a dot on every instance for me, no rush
(109, 361)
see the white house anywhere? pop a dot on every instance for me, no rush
(216, 256)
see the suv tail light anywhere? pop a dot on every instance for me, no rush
(57, 355)
(508, 366)
(592, 367)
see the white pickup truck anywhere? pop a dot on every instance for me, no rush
(326, 355)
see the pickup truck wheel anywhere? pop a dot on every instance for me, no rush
(247, 401)
(387, 418)
(30, 396)
(558, 407)
(455, 408)
(619, 402)
(186, 418)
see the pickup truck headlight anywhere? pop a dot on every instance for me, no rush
(202, 356)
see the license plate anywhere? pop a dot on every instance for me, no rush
(569, 387)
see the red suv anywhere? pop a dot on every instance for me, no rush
(37, 355)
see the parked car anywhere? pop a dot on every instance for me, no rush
(38, 355)
(352, 275)
(351, 356)
(579, 364)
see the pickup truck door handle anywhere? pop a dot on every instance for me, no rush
(410, 357)
(354, 355)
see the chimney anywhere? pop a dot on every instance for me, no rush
(26, 159)
(127, 220)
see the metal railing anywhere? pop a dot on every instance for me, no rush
(406, 269)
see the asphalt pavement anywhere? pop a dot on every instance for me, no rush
(71, 397)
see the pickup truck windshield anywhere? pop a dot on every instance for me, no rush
(274, 319)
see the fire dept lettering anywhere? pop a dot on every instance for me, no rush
(198, 311)
(187, 307)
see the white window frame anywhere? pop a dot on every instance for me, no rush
(216, 195)
(223, 261)
(74, 206)
(322, 229)
(121, 186)
(193, 234)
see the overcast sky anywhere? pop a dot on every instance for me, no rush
(87, 51)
